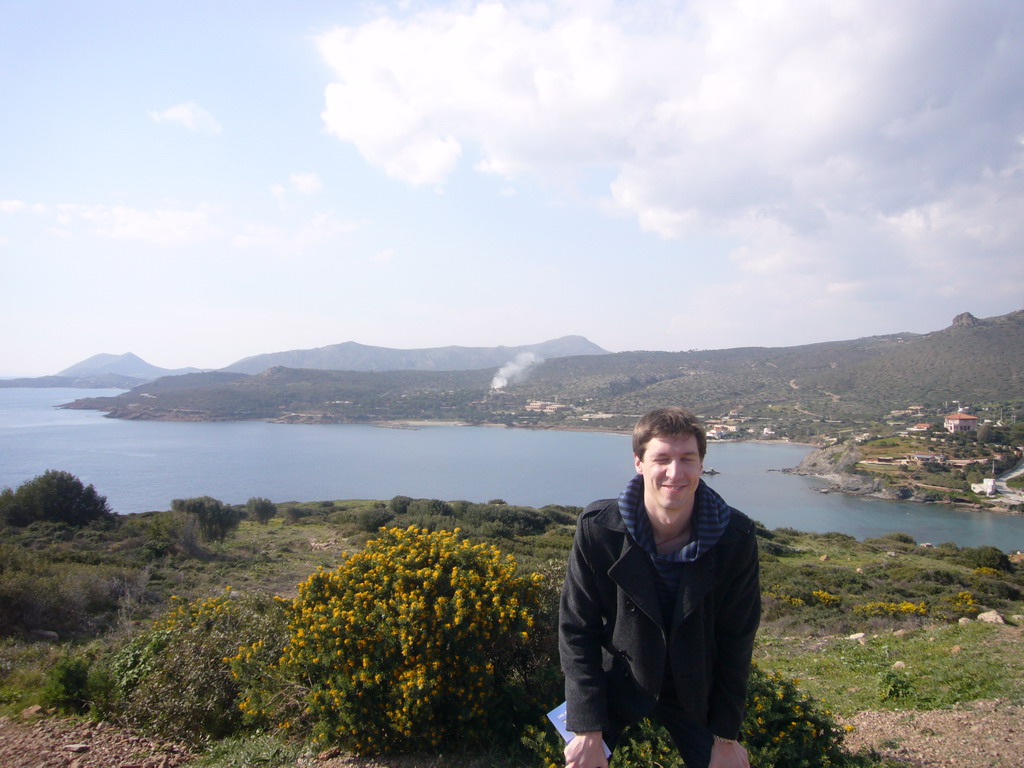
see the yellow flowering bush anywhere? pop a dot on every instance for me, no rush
(954, 606)
(785, 728)
(882, 608)
(782, 597)
(421, 639)
(826, 598)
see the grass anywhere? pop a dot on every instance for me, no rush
(245, 752)
(925, 668)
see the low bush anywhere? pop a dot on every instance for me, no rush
(985, 557)
(67, 686)
(174, 678)
(419, 640)
(69, 598)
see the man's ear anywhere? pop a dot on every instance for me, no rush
(638, 463)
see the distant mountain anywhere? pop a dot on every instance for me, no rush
(101, 372)
(122, 365)
(973, 360)
(351, 356)
(845, 383)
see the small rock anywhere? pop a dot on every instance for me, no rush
(29, 713)
(823, 558)
(899, 665)
(964, 620)
(77, 748)
(857, 636)
(955, 649)
(44, 635)
(991, 617)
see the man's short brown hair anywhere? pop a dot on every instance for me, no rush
(671, 421)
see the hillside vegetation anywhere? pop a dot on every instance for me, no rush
(803, 392)
(274, 635)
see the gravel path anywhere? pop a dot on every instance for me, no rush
(981, 734)
(45, 742)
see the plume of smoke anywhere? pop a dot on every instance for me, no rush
(514, 371)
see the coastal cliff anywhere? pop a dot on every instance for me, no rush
(835, 464)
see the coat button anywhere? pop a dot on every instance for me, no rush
(630, 606)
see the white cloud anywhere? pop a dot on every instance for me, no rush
(299, 184)
(305, 183)
(164, 227)
(12, 206)
(190, 115)
(839, 144)
(311, 232)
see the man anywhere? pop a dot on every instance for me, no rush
(660, 605)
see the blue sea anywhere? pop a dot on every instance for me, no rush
(142, 466)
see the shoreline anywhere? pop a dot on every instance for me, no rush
(856, 485)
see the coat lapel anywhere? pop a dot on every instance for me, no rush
(697, 581)
(634, 573)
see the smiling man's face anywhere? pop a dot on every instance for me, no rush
(671, 467)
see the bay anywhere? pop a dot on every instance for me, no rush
(141, 466)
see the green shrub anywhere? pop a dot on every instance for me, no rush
(53, 496)
(261, 509)
(419, 640)
(985, 557)
(893, 685)
(72, 599)
(175, 679)
(373, 519)
(67, 685)
(216, 519)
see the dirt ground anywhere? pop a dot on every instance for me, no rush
(982, 734)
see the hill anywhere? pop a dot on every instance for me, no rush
(127, 364)
(351, 356)
(795, 389)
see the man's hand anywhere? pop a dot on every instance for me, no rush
(728, 754)
(586, 750)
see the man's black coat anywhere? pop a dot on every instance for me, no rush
(613, 642)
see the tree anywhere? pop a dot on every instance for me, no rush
(53, 496)
(261, 509)
(216, 519)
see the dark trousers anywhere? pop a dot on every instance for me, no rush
(692, 739)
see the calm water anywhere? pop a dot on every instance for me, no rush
(141, 466)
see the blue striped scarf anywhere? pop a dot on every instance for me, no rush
(710, 519)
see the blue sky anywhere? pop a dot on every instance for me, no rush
(196, 182)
